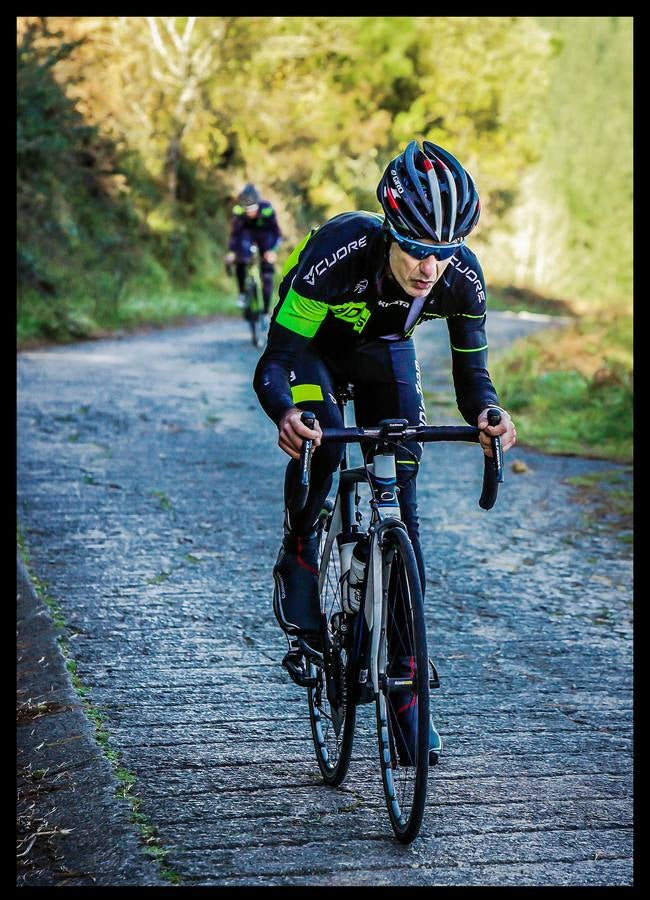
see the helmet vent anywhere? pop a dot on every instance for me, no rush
(428, 194)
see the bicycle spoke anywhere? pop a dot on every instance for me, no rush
(332, 725)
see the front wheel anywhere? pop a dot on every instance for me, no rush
(256, 330)
(332, 710)
(403, 696)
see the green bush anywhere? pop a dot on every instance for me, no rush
(566, 394)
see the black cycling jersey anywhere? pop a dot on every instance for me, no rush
(338, 292)
(261, 229)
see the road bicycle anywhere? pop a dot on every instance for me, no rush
(253, 306)
(373, 633)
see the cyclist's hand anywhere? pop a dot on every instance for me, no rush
(229, 258)
(292, 432)
(505, 429)
(270, 256)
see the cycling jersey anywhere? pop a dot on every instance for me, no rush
(337, 292)
(261, 229)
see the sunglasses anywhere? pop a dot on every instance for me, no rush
(419, 250)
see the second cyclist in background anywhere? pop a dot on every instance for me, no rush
(254, 223)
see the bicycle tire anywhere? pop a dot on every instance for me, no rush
(403, 754)
(255, 331)
(253, 310)
(249, 292)
(332, 726)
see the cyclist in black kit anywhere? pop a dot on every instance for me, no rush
(253, 223)
(352, 293)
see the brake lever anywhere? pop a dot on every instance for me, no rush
(298, 497)
(494, 417)
(492, 466)
(308, 419)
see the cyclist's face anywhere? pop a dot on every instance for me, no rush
(415, 276)
(251, 211)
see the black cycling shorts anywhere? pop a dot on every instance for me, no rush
(386, 380)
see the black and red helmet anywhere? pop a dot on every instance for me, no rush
(428, 194)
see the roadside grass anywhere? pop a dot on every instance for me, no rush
(41, 321)
(142, 309)
(126, 780)
(570, 389)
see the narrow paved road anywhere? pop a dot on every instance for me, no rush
(149, 499)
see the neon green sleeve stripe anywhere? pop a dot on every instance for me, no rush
(471, 350)
(295, 253)
(305, 393)
(453, 315)
(267, 211)
(300, 314)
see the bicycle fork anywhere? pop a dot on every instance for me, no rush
(386, 515)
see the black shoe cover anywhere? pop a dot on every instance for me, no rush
(295, 598)
(403, 709)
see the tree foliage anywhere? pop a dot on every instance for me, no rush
(179, 111)
(571, 232)
(48, 125)
(312, 107)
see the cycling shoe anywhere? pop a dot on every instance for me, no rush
(403, 707)
(295, 598)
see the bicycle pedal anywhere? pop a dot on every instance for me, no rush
(434, 679)
(294, 663)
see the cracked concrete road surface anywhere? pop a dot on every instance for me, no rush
(149, 500)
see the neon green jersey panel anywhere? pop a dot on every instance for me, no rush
(300, 314)
(306, 393)
(295, 253)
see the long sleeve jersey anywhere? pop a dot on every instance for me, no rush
(263, 229)
(337, 290)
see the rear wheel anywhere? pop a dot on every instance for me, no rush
(332, 710)
(403, 698)
(253, 310)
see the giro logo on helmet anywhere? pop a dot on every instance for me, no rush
(396, 181)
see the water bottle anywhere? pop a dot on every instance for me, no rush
(351, 593)
(346, 542)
